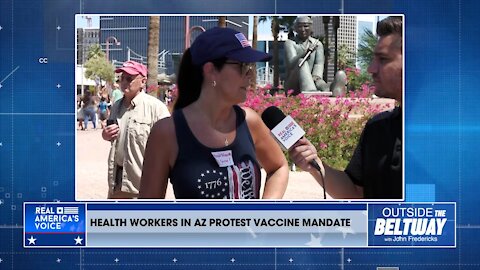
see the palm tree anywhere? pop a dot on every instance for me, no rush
(253, 82)
(326, 21)
(345, 57)
(275, 31)
(287, 23)
(368, 41)
(152, 56)
(276, 69)
(222, 21)
(277, 23)
(336, 25)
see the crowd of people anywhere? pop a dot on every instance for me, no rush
(212, 148)
(95, 108)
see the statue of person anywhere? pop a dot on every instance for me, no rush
(339, 85)
(304, 57)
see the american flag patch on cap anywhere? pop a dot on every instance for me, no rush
(243, 40)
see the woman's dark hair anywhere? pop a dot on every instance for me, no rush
(190, 79)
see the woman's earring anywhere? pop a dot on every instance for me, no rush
(214, 83)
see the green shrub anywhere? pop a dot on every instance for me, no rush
(333, 125)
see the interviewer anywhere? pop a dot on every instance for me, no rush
(375, 170)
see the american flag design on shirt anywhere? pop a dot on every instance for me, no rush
(243, 40)
(240, 181)
(244, 183)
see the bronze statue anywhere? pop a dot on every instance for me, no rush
(304, 58)
(339, 85)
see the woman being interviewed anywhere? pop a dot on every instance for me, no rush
(211, 148)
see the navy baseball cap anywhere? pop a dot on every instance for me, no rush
(220, 42)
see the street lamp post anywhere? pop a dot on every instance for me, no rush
(107, 45)
(189, 30)
(188, 35)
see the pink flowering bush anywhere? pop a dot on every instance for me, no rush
(357, 79)
(333, 125)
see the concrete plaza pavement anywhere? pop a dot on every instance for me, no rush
(91, 172)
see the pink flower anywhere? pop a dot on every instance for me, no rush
(294, 114)
(336, 123)
(311, 131)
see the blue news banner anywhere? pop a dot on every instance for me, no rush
(238, 225)
(54, 225)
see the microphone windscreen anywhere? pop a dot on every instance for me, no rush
(272, 116)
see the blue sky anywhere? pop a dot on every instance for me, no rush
(82, 21)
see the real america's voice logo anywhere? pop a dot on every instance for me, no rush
(54, 224)
(55, 218)
(423, 225)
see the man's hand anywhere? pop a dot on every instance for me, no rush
(110, 132)
(302, 153)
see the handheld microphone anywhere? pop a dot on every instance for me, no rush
(287, 132)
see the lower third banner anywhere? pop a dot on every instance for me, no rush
(207, 224)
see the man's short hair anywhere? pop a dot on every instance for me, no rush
(390, 25)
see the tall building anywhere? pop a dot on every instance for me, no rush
(346, 35)
(86, 37)
(132, 33)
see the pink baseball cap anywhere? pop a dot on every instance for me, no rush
(133, 68)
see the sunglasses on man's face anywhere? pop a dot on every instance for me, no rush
(244, 67)
(127, 77)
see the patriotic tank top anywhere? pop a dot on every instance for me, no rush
(200, 172)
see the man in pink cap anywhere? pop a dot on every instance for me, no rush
(128, 127)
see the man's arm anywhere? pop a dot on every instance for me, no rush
(337, 183)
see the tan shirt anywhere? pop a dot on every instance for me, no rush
(128, 149)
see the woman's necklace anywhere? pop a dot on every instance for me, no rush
(226, 141)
